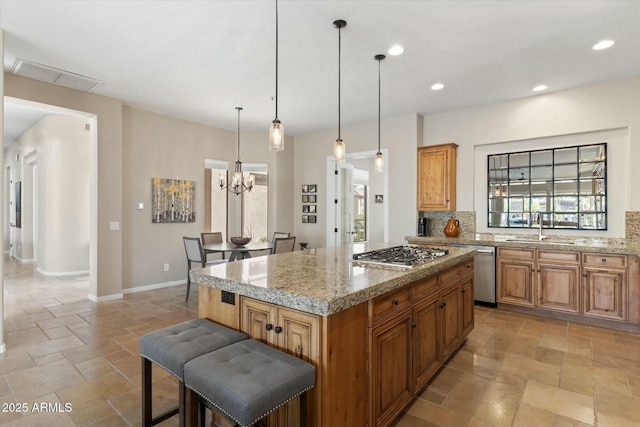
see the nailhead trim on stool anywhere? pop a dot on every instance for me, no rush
(172, 347)
(248, 379)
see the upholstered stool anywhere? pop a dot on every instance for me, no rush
(247, 380)
(172, 347)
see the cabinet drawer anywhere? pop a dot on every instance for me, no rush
(466, 268)
(522, 254)
(448, 277)
(388, 305)
(603, 260)
(424, 288)
(561, 256)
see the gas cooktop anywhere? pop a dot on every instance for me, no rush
(400, 256)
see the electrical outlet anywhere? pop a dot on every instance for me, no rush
(166, 267)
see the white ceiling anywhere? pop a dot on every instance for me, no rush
(199, 59)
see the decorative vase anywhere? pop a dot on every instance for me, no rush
(452, 228)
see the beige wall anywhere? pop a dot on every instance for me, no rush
(106, 205)
(591, 113)
(4, 219)
(157, 146)
(398, 134)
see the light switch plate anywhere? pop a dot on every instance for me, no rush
(114, 226)
(140, 205)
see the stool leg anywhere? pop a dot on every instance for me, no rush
(189, 404)
(146, 392)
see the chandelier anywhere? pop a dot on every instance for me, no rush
(238, 184)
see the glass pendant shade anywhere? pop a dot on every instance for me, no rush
(379, 162)
(339, 151)
(276, 136)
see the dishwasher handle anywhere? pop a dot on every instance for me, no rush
(485, 251)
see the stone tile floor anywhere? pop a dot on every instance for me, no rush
(513, 370)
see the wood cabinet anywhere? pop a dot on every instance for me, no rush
(289, 330)
(437, 177)
(605, 286)
(589, 285)
(412, 332)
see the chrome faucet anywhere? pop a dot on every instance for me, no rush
(540, 221)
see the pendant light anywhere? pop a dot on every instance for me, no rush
(238, 184)
(276, 130)
(379, 162)
(339, 148)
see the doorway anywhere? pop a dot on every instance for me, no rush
(342, 222)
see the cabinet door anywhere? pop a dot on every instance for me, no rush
(450, 307)
(257, 319)
(390, 375)
(605, 293)
(515, 282)
(467, 306)
(558, 287)
(437, 178)
(297, 333)
(426, 355)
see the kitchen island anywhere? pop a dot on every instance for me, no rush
(375, 334)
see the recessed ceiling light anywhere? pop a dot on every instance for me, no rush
(396, 50)
(437, 86)
(603, 44)
(540, 88)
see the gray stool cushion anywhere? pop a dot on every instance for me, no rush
(248, 379)
(175, 345)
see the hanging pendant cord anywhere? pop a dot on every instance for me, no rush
(379, 62)
(339, 55)
(276, 59)
(238, 108)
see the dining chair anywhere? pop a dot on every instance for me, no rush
(279, 235)
(283, 244)
(196, 255)
(210, 238)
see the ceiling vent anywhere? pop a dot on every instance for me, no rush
(52, 75)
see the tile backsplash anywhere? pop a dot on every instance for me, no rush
(438, 220)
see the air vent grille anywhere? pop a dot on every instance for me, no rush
(52, 75)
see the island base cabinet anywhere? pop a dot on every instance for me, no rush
(391, 368)
(450, 308)
(605, 293)
(288, 330)
(468, 303)
(426, 352)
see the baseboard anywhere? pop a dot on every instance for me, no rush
(25, 261)
(111, 297)
(62, 274)
(145, 288)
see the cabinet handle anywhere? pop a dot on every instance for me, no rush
(443, 305)
(412, 324)
(394, 302)
(268, 326)
(278, 329)
(604, 260)
(463, 291)
(584, 275)
(298, 350)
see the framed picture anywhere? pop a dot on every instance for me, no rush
(305, 208)
(379, 198)
(305, 198)
(312, 198)
(312, 209)
(173, 200)
(312, 219)
(312, 188)
(305, 188)
(305, 219)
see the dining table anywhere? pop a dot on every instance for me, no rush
(238, 252)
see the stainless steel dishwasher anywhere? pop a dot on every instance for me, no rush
(484, 279)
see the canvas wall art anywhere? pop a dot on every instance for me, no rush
(173, 200)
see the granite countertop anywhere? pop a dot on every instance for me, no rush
(321, 281)
(580, 244)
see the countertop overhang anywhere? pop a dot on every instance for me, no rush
(321, 281)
